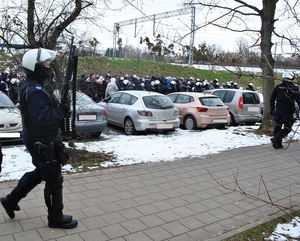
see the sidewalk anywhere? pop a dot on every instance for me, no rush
(175, 201)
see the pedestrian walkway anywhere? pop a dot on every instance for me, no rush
(184, 200)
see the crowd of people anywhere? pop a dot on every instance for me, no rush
(10, 84)
(99, 87)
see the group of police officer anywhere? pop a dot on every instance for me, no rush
(42, 115)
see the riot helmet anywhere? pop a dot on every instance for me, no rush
(37, 62)
(125, 81)
(157, 82)
(173, 82)
(288, 76)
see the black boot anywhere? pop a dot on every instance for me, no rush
(28, 181)
(276, 142)
(9, 207)
(62, 221)
(279, 143)
(54, 202)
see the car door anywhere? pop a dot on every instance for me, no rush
(112, 106)
(182, 103)
(122, 108)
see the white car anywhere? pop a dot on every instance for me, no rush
(10, 119)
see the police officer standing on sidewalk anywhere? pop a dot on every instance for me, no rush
(282, 103)
(41, 118)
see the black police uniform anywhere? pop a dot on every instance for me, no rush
(282, 103)
(41, 117)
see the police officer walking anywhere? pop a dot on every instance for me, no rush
(282, 103)
(41, 117)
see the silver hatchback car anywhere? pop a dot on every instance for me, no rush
(136, 110)
(244, 105)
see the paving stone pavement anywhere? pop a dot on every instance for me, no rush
(183, 200)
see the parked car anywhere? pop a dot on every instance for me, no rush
(91, 117)
(10, 120)
(244, 105)
(136, 111)
(198, 110)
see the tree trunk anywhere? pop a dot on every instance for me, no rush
(267, 62)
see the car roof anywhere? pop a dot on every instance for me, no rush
(235, 90)
(195, 94)
(140, 93)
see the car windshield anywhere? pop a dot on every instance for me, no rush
(83, 98)
(5, 102)
(158, 102)
(211, 101)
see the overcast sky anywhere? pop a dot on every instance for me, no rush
(172, 28)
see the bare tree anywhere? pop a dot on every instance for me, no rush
(239, 16)
(36, 23)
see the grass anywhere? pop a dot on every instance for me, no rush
(142, 68)
(83, 160)
(263, 231)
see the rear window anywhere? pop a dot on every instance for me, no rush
(158, 102)
(211, 101)
(224, 95)
(251, 98)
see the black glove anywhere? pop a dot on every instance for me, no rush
(272, 112)
(65, 107)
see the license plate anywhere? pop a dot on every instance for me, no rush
(87, 117)
(10, 135)
(164, 126)
(253, 109)
(220, 121)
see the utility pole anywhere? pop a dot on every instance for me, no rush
(153, 18)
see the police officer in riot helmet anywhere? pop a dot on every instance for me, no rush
(41, 117)
(282, 103)
(250, 87)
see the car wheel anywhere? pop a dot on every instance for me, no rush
(232, 120)
(168, 131)
(129, 127)
(189, 123)
(221, 127)
(97, 134)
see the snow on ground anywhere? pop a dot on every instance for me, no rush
(145, 148)
(136, 149)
